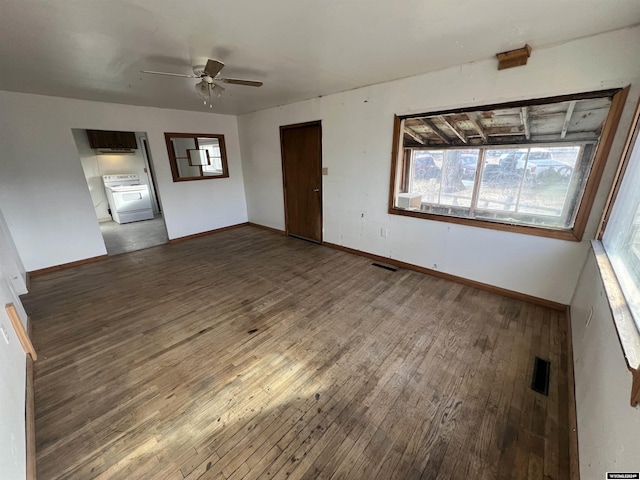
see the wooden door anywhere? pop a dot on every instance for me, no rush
(301, 147)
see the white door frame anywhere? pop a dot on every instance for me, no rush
(147, 169)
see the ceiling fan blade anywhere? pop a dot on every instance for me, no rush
(213, 68)
(238, 81)
(170, 74)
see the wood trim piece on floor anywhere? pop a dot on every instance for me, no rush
(30, 416)
(574, 463)
(22, 335)
(208, 232)
(62, 266)
(270, 229)
(454, 278)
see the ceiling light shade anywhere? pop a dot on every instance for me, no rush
(205, 89)
(202, 88)
(217, 90)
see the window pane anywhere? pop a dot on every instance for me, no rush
(425, 174)
(440, 181)
(502, 178)
(548, 177)
(185, 170)
(458, 177)
(532, 186)
(622, 236)
(181, 145)
(212, 145)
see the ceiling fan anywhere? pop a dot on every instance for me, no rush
(208, 75)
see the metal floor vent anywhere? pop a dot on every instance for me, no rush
(386, 267)
(540, 380)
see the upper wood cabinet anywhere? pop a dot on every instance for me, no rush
(111, 139)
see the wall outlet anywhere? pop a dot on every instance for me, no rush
(4, 335)
(384, 232)
(325, 170)
(590, 316)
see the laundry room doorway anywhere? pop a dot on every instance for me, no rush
(119, 172)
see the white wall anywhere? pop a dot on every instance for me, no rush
(13, 268)
(357, 133)
(43, 191)
(12, 371)
(607, 425)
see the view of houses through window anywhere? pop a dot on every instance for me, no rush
(533, 185)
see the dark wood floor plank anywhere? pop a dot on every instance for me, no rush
(249, 355)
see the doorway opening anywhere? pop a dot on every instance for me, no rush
(118, 169)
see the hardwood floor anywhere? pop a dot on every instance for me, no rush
(246, 354)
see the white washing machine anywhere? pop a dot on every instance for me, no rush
(129, 200)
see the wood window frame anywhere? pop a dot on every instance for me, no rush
(173, 161)
(575, 234)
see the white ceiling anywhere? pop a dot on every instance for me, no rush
(94, 50)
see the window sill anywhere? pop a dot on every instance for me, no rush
(625, 326)
(569, 235)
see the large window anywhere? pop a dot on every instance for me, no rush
(618, 255)
(621, 237)
(531, 167)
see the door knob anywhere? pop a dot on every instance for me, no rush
(316, 189)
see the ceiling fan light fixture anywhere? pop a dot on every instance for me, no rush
(217, 90)
(202, 88)
(206, 89)
(208, 75)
